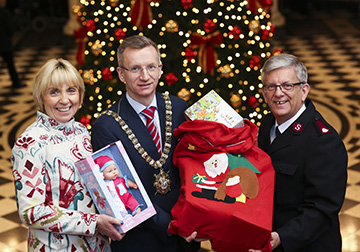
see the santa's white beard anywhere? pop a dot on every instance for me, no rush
(214, 172)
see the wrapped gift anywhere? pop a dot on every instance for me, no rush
(227, 186)
(123, 197)
(212, 107)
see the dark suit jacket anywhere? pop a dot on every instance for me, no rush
(310, 163)
(152, 234)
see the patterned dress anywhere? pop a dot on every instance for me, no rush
(52, 200)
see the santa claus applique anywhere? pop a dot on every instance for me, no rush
(222, 183)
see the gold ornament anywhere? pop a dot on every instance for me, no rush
(96, 48)
(162, 182)
(254, 26)
(235, 100)
(225, 71)
(88, 76)
(172, 26)
(114, 3)
(76, 9)
(184, 94)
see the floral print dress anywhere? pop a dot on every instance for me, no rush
(52, 200)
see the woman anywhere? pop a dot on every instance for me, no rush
(52, 200)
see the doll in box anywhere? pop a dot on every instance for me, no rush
(118, 186)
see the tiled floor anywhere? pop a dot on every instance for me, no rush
(329, 45)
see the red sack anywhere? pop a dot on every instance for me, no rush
(227, 186)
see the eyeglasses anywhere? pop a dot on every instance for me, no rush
(285, 87)
(137, 70)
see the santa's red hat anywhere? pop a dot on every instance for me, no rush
(104, 161)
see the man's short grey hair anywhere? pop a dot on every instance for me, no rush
(284, 60)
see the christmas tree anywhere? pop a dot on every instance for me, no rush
(205, 45)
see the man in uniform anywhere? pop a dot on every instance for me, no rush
(309, 159)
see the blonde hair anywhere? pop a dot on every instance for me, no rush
(55, 73)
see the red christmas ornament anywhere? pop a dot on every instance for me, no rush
(189, 54)
(120, 34)
(186, 4)
(266, 32)
(90, 25)
(254, 62)
(170, 79)
(209, 26)
(253, 102)
(85, 120)
(277, 51)
(106, 74)
(235, 31)
(254, 5)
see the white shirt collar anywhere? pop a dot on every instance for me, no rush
(137, 106)
(287, 123)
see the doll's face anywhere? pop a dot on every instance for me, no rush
(111, 172)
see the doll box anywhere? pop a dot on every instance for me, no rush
(103, 199)
(212, 107)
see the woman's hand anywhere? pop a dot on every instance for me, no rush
(105, 226)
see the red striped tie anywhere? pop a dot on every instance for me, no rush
(150, 124)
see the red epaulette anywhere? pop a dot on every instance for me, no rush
(322, 129)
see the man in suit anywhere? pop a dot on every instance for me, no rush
(309, 159)
(139, 67)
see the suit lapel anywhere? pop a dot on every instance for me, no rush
(281, 141)
(294, 129)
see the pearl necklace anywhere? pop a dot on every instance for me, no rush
(162, 180)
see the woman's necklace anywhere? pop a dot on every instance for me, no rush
(162, 179)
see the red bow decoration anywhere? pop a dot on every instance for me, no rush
(253, 5)
(80, 38)
(207, 55)
(141, 14)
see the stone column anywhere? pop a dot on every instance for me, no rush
(72, 24)
(276, 17)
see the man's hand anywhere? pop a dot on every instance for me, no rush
(105, 226)
(192, 237)
(274, 242)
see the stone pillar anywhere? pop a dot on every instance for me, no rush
(277, 18)
(72, 24)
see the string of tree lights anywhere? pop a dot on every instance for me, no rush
(204, 45)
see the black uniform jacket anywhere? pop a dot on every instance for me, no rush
(310, 163)
(152, 234)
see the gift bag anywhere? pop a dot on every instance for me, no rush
(227, 186)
